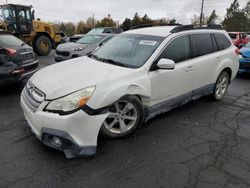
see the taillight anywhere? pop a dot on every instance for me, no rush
(237, 51)
(18, 71)
(11, 51)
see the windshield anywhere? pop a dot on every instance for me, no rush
(7, 40)
(96, 31)
(129, 50)
(8, 13)
(90, 39)
(233, 36)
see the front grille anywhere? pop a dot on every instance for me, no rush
(63, 53)
(32, 97)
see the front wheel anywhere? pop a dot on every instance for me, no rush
(126, 115)
(221, 86)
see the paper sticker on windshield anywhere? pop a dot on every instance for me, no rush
(148, 42)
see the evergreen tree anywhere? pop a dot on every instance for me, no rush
(106, 22)
(127, 24)
(172, 21)
(136, 20)
(212, 18)
(235, 19)
(146, 20)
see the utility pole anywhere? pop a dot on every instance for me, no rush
(201, 17)
(93, 21)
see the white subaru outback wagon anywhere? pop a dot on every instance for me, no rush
(132, 78)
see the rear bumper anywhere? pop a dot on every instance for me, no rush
(244, 65)
(19, 73)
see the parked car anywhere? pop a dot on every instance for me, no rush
(82, 47)
(101, 30)
(75, 37)
(64, 37)
(244, 41)
(135, 76)
(236, 37)
(245, 59)
(17, 59)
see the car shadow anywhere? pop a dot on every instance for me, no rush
(245, 76)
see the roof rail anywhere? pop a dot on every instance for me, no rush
(193, 27)
(152, 25)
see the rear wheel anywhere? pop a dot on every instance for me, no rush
(126, 115)
(221, 86)
(43, 46)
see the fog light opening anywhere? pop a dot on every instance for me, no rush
(56, 141)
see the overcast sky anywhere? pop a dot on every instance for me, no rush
(75, 10)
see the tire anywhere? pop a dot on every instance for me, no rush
(126, 116)
(221, 86)
(43, 46)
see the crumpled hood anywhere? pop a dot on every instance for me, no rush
(70, 46)
(245, 51)
(69, 76)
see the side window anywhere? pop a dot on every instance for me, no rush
(222, 41)
(201, 44)
(108, 31)
(178, 50)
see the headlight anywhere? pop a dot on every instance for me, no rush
(78, 49)
(71, 102)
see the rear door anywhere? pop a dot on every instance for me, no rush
(205, 62)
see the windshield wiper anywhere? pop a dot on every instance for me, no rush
(111, 61)
(94, 57)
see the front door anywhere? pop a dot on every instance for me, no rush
(174, 85)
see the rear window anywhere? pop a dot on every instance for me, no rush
(9, 40)
(201, 44)
(222, 41)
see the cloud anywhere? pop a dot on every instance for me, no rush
(76, 10)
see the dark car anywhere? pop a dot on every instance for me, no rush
(82, 47)
(17, 59)
(101, 30)
(245, 59)
(75, 37)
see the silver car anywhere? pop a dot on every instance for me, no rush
(81, 47)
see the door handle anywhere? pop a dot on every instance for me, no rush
(189, 68)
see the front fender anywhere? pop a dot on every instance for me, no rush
(109, 92)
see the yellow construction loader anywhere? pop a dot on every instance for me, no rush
(20, 21)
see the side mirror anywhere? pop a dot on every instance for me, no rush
(101, 43)
(166, 64)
